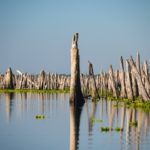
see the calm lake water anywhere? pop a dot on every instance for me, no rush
(63, 128)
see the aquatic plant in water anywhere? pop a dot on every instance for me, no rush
(39, 117)
(104, 129)
(118, 129)
(135, 124)
(94, 120)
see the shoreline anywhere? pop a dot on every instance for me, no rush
(145, 106)
(33, 91)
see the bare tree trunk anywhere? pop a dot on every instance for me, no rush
(142, 92)
(116, 76)
(134, 86)
(138, 63)
(105, 82)
(128, 81)
(8, 79)
(75, 88)
(92, 80)
(122, 79)
(102, 84)
(112, 82)
(146, 81)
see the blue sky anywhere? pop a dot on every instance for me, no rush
(37, 34)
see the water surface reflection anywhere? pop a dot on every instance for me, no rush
(17, 120)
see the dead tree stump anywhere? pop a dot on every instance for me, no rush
(75, 87)
(138, 63)
(8, 79)
(142, 92)
(92, 81)
(122, 79)
(112, 82)
(128, 81)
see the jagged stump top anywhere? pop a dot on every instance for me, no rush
(75, 40)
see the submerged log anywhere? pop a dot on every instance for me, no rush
(142, 92)
(122, 79)
(75, 87)
(92, 81)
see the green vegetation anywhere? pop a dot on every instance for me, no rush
(118, 129)
(90, 92)
(94, 120)
(136, 103)
(96, 100)
(39, 117)
(134, 124)
(117, 105)
(105, 129)
(100, 121)
(33, 91)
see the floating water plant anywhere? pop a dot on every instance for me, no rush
(94, 120)
(100, 121)
(105, 129)
(39, 117)
(118, 129)
(134, 124)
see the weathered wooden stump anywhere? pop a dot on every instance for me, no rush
(134, 86)
(42, 79)
(142, 92)
(128, 81)
(122, 79)
(112, 82)
(145, 77)
(8, 79)
(92, 80)
(75, 87)
(138, 63)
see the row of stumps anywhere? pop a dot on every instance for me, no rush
(133, 83)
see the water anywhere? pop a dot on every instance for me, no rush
(63, 127)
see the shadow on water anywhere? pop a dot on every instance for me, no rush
(75, 113)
